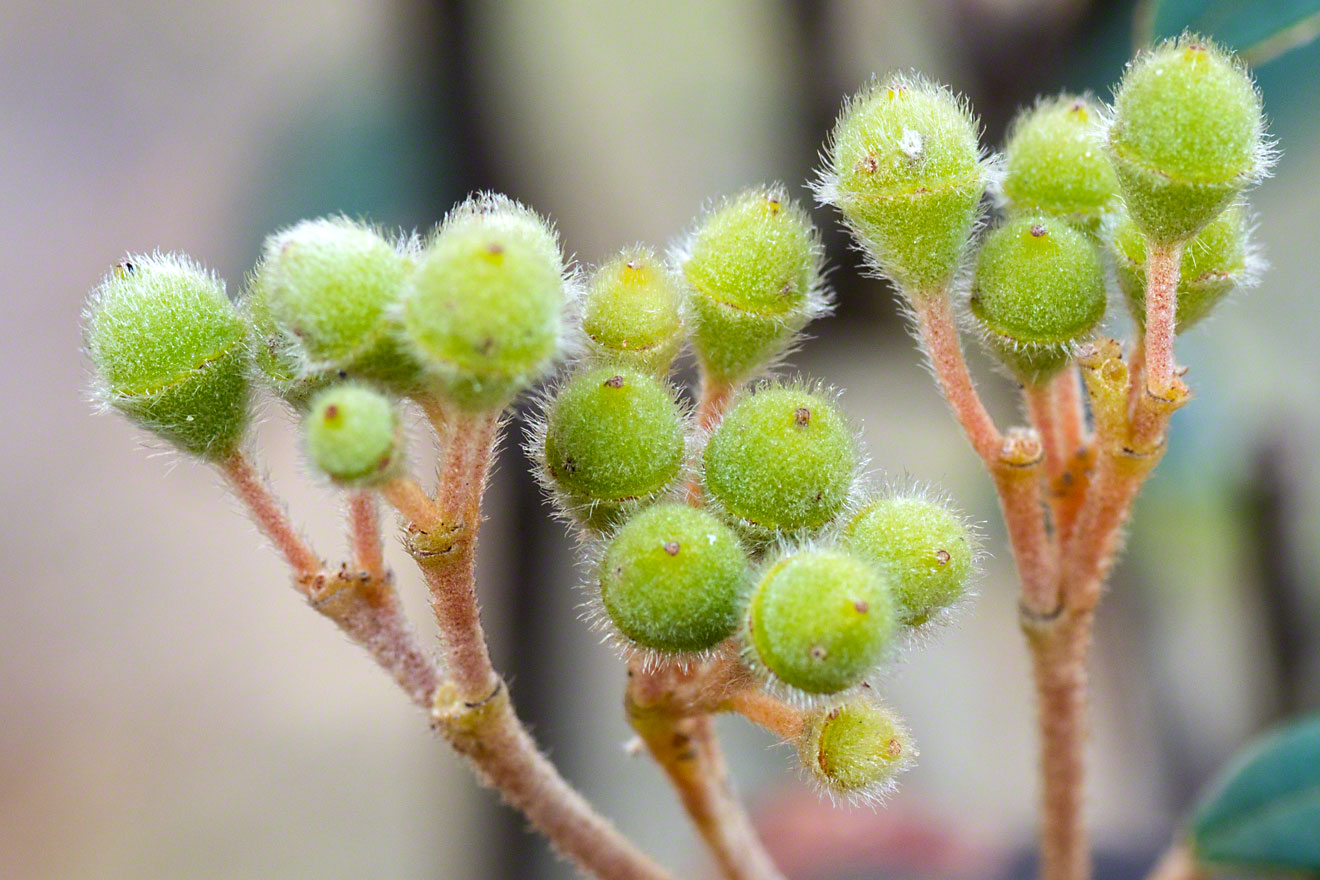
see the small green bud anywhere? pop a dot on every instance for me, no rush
(1054, 162)
(483, 308)
(352, 435)
(856, 748)
(672, 579)
(275, 353)
(753, 269)
(1039, 288)
(631, 312)
(169, 349)
(1187, 136)
(782, 460)
(927, 552)
(904, 167)
(820, 620)
(613, 435)
(1219, 259)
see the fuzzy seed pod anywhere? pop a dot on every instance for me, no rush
(1187, 136)
(781, 461)
(483, 309)
(274, 353)
(169, 350)
(1039, 289)
(904, 167)
(631, 312)
(819, 620)
(856, 748)
(752, 267)
(672, 579)
(352, 435)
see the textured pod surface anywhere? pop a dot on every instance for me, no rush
(672, 579)
(274, 352)
(1187, 136)
(927, 552)
(905, 169)
(351, 433)
(856, 748)
(820, 620)
(1054, 162)
(170, 352)
(483, 308)
(782, 459)
(631, 312)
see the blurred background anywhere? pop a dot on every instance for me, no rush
(168, 708)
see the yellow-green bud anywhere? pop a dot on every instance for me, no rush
(352, 435)
(631, 312)
(856, 748)
(1055, 163)
(275, 353)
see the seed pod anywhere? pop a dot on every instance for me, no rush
(170, 353)
(1054, 162)
(820, 620)
(904, 168)
(631, 312)
(752, 267)
(672, 579)
(483, 310)
(781, 461)
(856, 748)
(1214, 263)
(927, 552)
(1039, 289)
(352, 435)
(1187, 136)
(275, 353)
(613, 436)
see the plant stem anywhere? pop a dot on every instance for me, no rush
(1042, 411)
(939, 336)
(776, 716)
(1163, 263)
(271, 518)
(364, 534)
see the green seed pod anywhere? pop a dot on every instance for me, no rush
(613, 436)
(275, 352)
(483, 309)
(904, 167)
(672, 579)
(169, 349)
(1214, 263)
(820, 620)
(1039, 289)
(352, 435)
(753, 269)
(1187, 136)
(631, 312)
(782, 460)
(1054, 162)
(927, 552)
(856, 748)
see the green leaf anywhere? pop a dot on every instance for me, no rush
(1259, 32)
(1264, 810)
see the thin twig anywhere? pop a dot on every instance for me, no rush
(780, 718)
(939, 336)
(1162, 268)
(364, 534)
(271, 518)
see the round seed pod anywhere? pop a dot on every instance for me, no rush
(1214, 263)
(856, 748)
(672, 579)
(927, 552)
(169, 350)
(483, 309)
(352, 435)
(1039, 289)
(904, 168)
(275, 354)
(752, 267)
(820, 620)
(1055, 163)
(631, 312)
(613, 436)
(1187, 136)
(781, 461)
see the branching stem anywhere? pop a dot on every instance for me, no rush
(268, 512)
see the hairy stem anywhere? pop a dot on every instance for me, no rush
(1043, 413)
(268, 512)
(939, 337)
(364, 534)
(783, 719)
(1162, 268)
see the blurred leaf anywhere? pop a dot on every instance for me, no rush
(1258, 31)
(1264, 811)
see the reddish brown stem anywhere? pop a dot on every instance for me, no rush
(364, 534)
(1162, 268)
(939, 336)
(1043, 412)
(782, 719)
(271, 518)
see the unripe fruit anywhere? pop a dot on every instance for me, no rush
(926, 551)
(672, 579)
(904, 167)
(1039, 288)
(613, 435)
(483, 307)
(1187, 136)
(1054, 162)
(820, 620)
(274, 353)
(631, 312)
(856, 748)
(1215, 262)
(170, 351)
(782, 460)
(352, 435)
(752, 266)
